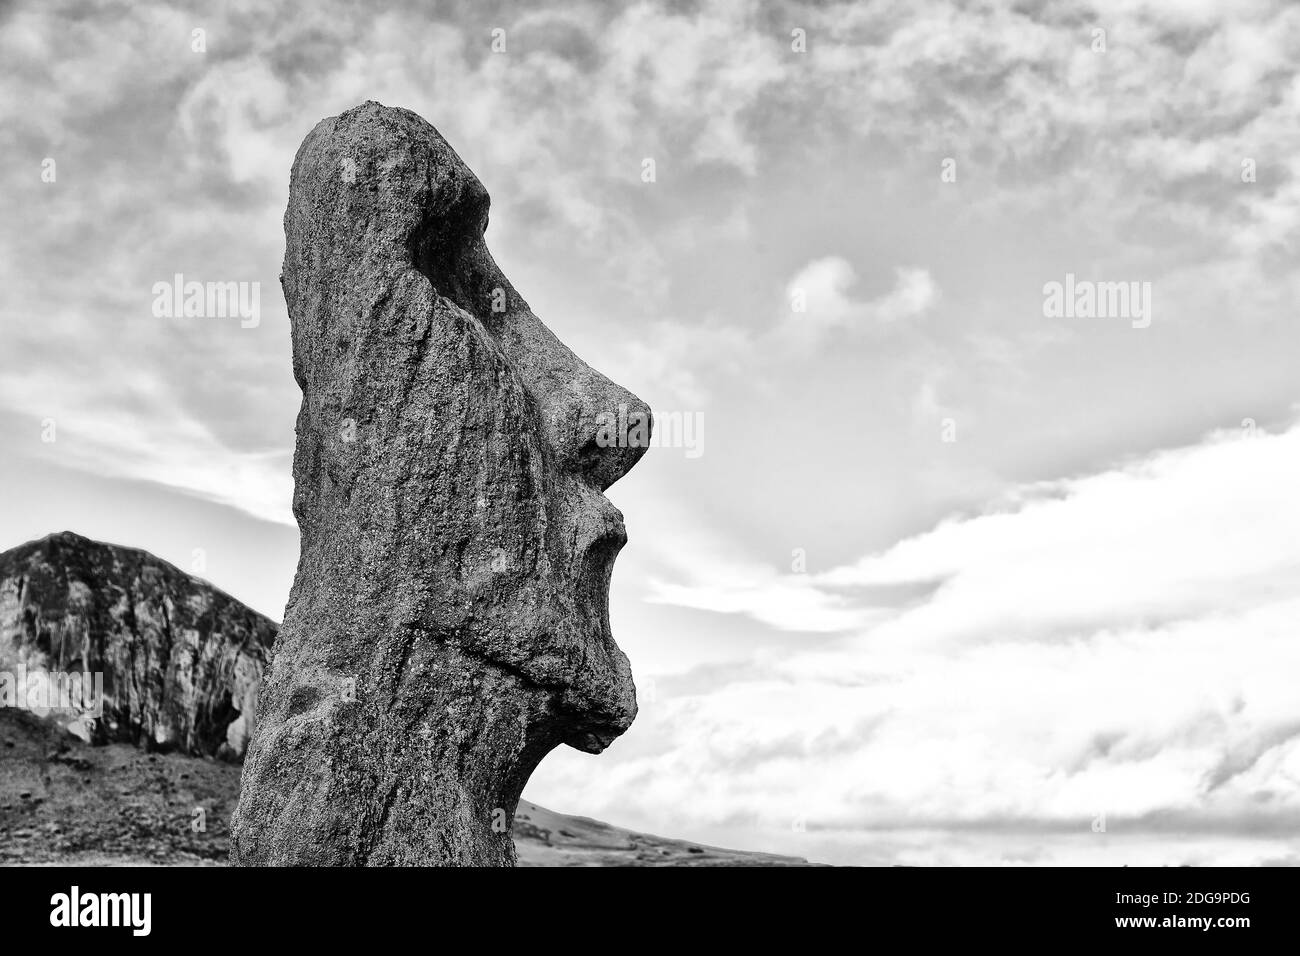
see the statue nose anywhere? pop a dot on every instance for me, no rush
(596, 428)
(599, 429)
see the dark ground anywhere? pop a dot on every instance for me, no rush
(65, 802)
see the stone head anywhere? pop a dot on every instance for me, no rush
(457, 546)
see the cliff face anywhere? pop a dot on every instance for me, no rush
(181, 661)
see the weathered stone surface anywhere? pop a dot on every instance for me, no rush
(181, 661)
(448, 625)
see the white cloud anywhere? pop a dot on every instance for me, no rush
(821, 290)
(698, 569)
(675, 366)
(819, 302)
(786, 602)
(170, 447)
(1176, 535)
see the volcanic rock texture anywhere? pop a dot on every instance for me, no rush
(448, 625)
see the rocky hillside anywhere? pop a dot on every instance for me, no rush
(181, 661)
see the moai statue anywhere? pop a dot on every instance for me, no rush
(449, 622)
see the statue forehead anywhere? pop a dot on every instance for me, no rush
(367, 186)
(396, 136)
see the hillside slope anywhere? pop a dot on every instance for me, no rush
(65, 802)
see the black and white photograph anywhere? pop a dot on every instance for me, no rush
(859, 440)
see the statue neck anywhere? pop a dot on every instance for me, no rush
(425, 769)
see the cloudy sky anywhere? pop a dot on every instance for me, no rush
(946, 577)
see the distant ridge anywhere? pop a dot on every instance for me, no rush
(182, 661)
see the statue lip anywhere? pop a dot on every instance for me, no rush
(597, 559)
(592, 742)
(608, 536)
(613, 537)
